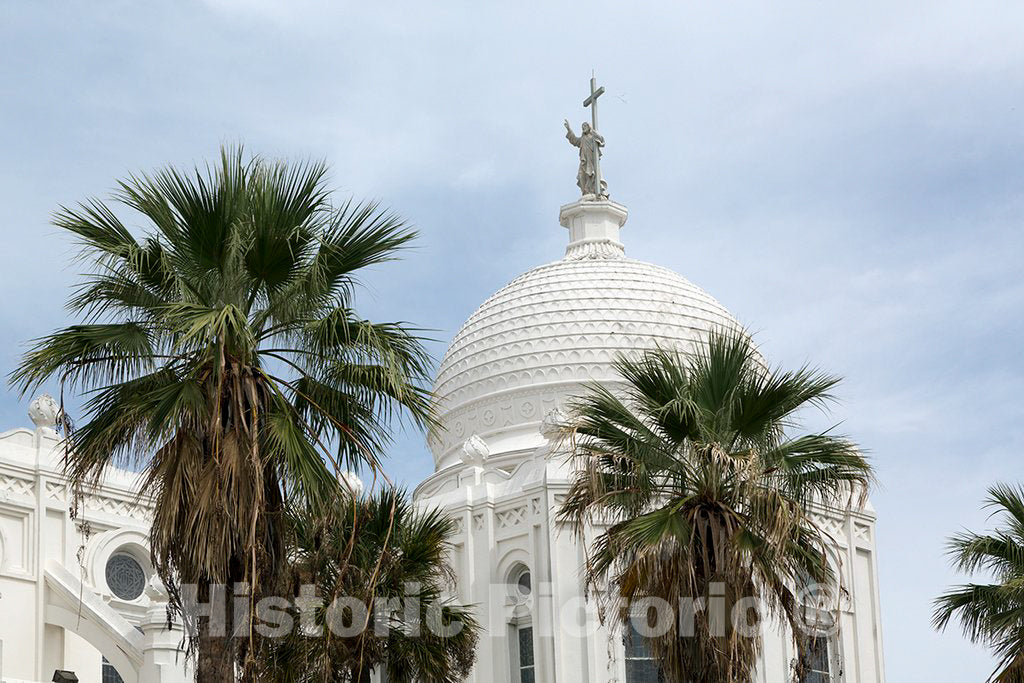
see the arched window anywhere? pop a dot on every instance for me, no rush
(520, 587)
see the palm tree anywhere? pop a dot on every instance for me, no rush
(376, 548)
(694, 486)
(220, 354)
(992, 613)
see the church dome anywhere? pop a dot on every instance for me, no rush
(539, 339)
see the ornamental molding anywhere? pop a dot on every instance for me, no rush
(122, 540)
(522, 407)
(595, 249)
(475, 452)
(97, 502)
(833, 528)
(55, 490)
(11, 485)
(118, 507)
(435, 486)
(553, 423)
(512, 518)
(844, 528)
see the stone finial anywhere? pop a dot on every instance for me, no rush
(351, 481)
(475, 451)
(44, 411)
(553, 424)
(155, 589)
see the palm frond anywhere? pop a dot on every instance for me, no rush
(692, 477)
(991, 614)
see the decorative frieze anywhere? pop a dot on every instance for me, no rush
(509, 519)
(94, 502)
(55, 490)
(16, 486)
(116, 506)
(831, 527)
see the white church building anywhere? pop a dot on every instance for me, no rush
(80, 594)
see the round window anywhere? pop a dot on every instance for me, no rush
(125, 577)
(520, 582)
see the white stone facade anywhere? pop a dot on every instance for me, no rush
(58, 611)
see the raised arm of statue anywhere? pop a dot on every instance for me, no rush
(570, 136)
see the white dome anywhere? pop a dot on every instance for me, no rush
(551, 330)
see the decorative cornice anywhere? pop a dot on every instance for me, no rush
(594, 249)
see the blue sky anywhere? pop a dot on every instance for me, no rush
(845, 177)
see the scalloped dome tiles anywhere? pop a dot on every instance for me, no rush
(538, 339)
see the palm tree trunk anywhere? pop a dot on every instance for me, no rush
(216, 658)
(216, 652)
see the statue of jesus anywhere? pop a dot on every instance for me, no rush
(590, 143)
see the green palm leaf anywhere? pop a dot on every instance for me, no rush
(992, 614)
(693, 478)
(379, 550)
(219, 352)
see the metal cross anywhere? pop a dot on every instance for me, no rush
(591, 102)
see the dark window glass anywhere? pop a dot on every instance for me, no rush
(526, 666)
(819, 666)
(125, 577)
(640, 664)
(524, 583)
(110, 674)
